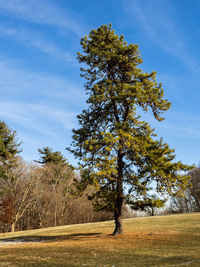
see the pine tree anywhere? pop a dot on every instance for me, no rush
(148, 204)
(48, 156)
(118, 151)
(9, 148)
(57, 175)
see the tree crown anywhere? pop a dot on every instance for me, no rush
(9, 145)
(118, 150)
(47, 156)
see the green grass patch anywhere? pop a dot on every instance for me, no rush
(154, 241)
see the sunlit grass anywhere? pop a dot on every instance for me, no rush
(153, 241)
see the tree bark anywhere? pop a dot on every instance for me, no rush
(119, 201)
(55, 208)
(55, 216)
(118, 225)
(28, 220)
(13, 227)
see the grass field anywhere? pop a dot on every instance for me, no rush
(154, 241)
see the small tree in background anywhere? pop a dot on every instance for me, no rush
(190, 201)
(7, 211)
(118, 152)
(194, 190)
(19, 185)
(9, 148)
(149, 204)
(9, 145)
(57, 176)
(48, 156)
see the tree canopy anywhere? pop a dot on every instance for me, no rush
(9, 145)
(118, 151)
(9, 149)
(48, 156)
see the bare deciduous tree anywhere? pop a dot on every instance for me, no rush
(19, 185)
(190, 202)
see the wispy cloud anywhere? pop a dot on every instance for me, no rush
(187, 131)
(21, 102)
(179, 124)
(156, 18)
(18, 83)
(183, 124)
(37, 126)
(35, 39)
(42, 12)
(41, 107)
(37, 116)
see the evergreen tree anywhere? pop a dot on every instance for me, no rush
(118, 152)
(57, 175)
(148, 204)
(48, 156)
(9, 148)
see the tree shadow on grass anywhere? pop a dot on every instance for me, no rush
(50, 238)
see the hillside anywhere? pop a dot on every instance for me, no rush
(153, 241)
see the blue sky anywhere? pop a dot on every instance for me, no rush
(40, 85)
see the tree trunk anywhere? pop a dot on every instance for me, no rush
(118, 225)
(119, 201)
(55, 207)
(28, 220)
(13, 227)
(152, 212)
(55, 217)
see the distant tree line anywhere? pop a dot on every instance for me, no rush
(40, 194)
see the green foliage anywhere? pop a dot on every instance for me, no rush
(148, 204)
(48, 156)
(9, 149)
(56, 169)
(9, 146)
(117, 149)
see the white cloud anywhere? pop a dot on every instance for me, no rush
(37, 116)
(42, 108)
(18, 83)
(42, 12)
(35, 39)
(38, 102)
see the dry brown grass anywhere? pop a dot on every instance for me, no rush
(153, 241)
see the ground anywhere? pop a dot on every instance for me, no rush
(153, 241)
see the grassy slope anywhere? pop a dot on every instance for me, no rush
(153, 241)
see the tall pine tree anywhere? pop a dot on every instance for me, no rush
(119, 154)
